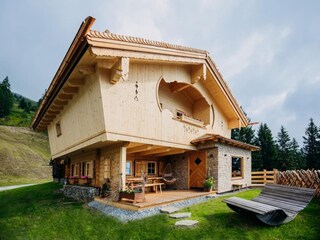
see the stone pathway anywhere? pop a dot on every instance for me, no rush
(186, 223)
(181, 223)
(180, 215)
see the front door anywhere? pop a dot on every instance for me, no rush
(197, 169)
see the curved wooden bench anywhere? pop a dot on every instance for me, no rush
(276, 204)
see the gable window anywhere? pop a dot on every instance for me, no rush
(58, 129)
(237, 167)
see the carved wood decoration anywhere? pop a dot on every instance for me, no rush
(199, 72)
(119, 70)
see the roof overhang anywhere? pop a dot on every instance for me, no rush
(207, 139)
(106, 49)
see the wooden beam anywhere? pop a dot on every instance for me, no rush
(69, 90)
(119, 70)
(199, 72)
(56, 108)
(172, 152)
(139, 149)
(63, 96)
(105, 64)
(53, 112)
(155, 151)
(75, 82)
(177, 87)
(86, 70)
(60, 103)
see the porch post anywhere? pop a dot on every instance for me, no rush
(122, 167)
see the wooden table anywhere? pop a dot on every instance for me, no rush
(154, 183)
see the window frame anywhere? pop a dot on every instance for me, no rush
(131, 165)
(241, 168)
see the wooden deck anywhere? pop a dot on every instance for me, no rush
(157, 199)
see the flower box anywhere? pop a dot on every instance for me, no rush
(132, 196)
(191, 120)
(72, 180)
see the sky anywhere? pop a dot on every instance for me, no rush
(267, 51)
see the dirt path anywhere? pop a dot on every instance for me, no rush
(16, 186)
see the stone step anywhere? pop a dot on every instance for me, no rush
(180, 215)
(186, 223)
(169, 209)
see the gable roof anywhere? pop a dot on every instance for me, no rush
(98, 41)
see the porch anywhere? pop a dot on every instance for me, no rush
(157, 199)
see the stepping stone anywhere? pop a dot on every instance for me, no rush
(186, 223)
(180, 215)
(169, 209)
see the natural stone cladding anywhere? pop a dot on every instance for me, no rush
(179, 165)
(80, 193)
(225, 153)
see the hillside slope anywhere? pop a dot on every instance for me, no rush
(24, 156)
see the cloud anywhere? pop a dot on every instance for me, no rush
(259, 48)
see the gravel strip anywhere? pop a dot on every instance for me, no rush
(127, 215)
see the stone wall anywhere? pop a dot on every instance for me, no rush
(212, 165)
(179, 164)
(110, 168)
(225, 153)
(80, 193)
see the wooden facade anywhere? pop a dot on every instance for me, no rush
(121, 105)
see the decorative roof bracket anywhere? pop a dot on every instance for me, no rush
(120, 70)
(199, 72)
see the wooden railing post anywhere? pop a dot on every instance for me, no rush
(275, 171)
(264, 176)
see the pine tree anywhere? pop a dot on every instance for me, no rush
(283, 150)
(297, 159)
(244, 134)
(265, 158)
(6, 98)
(311, 149)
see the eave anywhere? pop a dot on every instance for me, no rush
(76, 50)
(214, 138)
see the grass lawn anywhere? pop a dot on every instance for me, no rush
(41, 212)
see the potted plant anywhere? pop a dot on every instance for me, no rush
(106, 189)
(208, 184)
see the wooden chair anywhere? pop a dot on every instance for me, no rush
(276, 204)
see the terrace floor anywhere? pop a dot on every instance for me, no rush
(157, 199)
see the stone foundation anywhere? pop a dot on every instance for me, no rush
(80, 193)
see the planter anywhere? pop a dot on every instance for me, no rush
(191, 120)
(72, 181)
(83, 181)
(208, 189)
(132, 196)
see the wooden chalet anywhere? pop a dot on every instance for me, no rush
(119, 105)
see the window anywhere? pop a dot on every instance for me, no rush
(83, 169)
(152, 168)
(89, 169)
(58, 129)
(128, 168)
(237, 167)
(75, 169)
